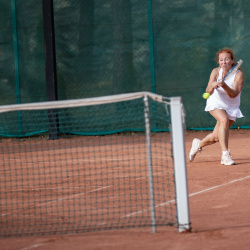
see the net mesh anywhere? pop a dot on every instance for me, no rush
(79, 183)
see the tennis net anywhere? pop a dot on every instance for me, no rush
(92, 164)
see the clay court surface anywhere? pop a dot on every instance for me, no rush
(219, 209)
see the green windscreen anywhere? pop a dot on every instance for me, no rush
(106, 47)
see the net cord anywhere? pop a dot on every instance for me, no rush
(80, 102)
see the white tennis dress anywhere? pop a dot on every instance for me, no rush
(220, 100)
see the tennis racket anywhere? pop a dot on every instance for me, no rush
(233, 69)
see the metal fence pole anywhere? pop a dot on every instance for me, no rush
(50, 63)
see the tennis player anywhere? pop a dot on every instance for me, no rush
(223, 104)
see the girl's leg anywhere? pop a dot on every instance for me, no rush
(220, 132)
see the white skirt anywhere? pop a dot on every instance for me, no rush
(223, 101)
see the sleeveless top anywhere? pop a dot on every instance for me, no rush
(220, 100)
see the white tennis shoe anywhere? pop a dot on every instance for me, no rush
(226, 158)
(195, 149)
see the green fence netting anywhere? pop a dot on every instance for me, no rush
(106, 47)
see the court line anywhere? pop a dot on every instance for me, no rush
(71, 196)
(75, 195)
(78, 187)
(33, 246)
(79, 194)
(62, 199)
(193, 194)
(145, 210)
(222, 185)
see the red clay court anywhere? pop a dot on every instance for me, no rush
(219, 209)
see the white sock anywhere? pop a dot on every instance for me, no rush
(225, 152)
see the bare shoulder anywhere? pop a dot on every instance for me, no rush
(215, 73)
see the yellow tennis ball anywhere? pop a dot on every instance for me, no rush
(205, 95)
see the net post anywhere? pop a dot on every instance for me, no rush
(148, 141)
(183, 218)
